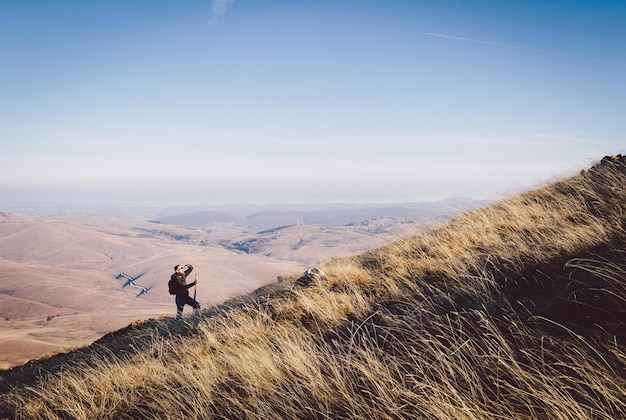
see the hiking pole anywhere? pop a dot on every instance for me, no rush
(195, 287)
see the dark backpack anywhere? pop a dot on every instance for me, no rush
(172, 285)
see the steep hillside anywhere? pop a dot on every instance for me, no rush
(514, 311)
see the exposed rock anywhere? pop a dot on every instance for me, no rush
(310, 276)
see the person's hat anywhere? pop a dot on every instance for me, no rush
(177, 267)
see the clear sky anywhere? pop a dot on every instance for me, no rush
(282, 101)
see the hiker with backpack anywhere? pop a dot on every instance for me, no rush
(178, 286)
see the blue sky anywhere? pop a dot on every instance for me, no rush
(282, 101)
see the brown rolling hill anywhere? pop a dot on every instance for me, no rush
(60, 283)
(65, 279)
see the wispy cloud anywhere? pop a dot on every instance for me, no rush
(517, 47)
(218, 9)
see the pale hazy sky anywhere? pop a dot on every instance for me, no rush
(309, 100)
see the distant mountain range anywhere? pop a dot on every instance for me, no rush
(329, 215)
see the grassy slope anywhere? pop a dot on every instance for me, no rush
(516, 310)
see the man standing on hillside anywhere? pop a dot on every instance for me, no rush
(178, 286)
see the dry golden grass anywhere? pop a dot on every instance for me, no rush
(514, 311)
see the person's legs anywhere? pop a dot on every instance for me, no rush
(180, 304)
(186, 300)
(196, 306)
(193, 303)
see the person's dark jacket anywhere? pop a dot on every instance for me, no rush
(182, 288)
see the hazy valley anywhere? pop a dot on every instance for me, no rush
(69, 279)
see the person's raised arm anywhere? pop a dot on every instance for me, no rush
(188, 270)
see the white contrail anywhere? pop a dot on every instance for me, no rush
(517, 47)
(481, 42)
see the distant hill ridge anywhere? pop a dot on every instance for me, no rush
(514, 310)
(341, 215)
